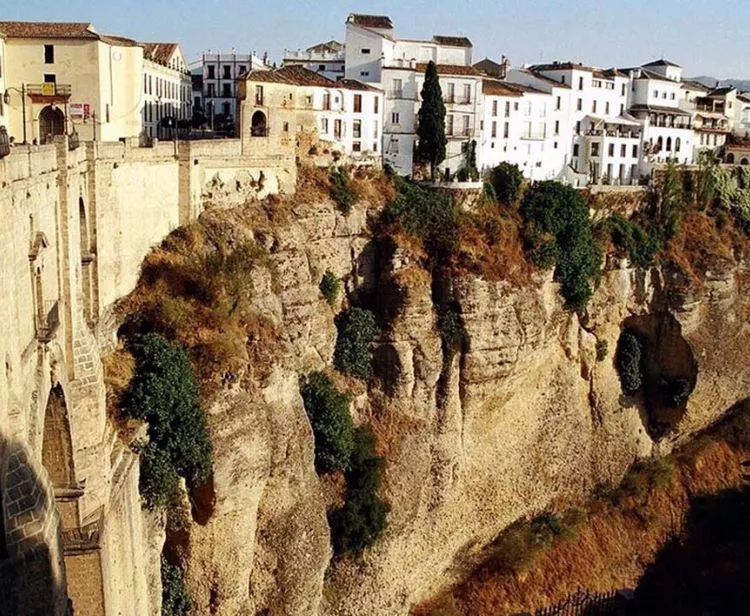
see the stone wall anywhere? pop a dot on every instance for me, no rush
(76, 226)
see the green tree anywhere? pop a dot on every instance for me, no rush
(356, 331)
(672, 203)
(431, 128)
(330, 287)
(175, 600)
(328, 410)
(507, 180)
(629, 356)
(163, 392)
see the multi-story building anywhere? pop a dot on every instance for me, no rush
(166, 89)
(374, 55)
(215, 91)
(277, 105)
(328, 59)
(66, 77)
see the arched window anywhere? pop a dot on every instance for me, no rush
(659, 144)
(744, 161)
(57, 448)
(258, 125)
(677, 144)
(730, 158)
(669, 144)
(51, 123)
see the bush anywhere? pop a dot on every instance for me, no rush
(328, 410)
(429, 214)
(362, 519)
(507, 180)
(341, 190)
(175, 600)
(602, 349)
(163, 393)
(629, 363)
(642, 246)
(356, 331)
(330, 287)
(558, 232)
(451, 330)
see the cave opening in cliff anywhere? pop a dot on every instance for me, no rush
(656, 363)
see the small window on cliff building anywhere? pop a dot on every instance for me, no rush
(49, 54)
(286, 127)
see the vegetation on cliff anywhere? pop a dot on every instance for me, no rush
(175, 599)
(353, 353)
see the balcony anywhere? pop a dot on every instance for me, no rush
(49, 92)
(48, 321)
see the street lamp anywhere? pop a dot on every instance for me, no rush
(6, 100)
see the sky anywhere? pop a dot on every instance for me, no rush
(698, 35)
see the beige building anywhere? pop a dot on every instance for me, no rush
(166, 89)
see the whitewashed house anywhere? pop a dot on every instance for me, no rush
(166, 89)
(328, 59)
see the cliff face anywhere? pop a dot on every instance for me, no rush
(525, 415)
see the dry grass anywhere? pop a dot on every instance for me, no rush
(622, 536)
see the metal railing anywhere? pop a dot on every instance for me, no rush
(49, 89)
(48, 321)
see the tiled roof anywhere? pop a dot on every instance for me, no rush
(609, 73)
(119, 41)
(662, 62)
(353, 84)
(553, 82)
(48, 30)
(491, 87)
(452, 41)
(659, 109)
(380, 22)
(560, 66)
(160, 53)
(450, 69)
(744, 97)
(724, 90)
(646, 74)
(489, 67)
(329, 46)
(293, 75)
(695, 85)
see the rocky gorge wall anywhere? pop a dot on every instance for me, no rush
(525, 416)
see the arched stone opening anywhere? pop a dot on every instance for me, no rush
(57, 446)
(87, 260)
(744, 161)
(730, 158)
(51, 123)
(259, 125)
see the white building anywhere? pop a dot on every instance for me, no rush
(166, 89)
(328, 59)
(374, 55)
(214, 85)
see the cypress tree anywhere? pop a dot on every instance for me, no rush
(431, 128)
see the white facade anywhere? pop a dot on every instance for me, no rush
(166, 88)
(327, 59)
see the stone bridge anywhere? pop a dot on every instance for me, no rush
(74, 227)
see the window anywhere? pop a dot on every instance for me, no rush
(395, 117)
(226, 109)
(321, 68)
(506, 130)
(374, 146)
(558, 103)
(49, 78)
(596, 83)
(635, 151)
(286, 127)
(467, 93)
(494, 109)
(357, 103)
(357, 129)
(555, 145)
(145, 84)
(337, 129)
(376, 104)
(211, 71)
(622, 90)
(364, 73)
(606, 108)
(49, 54)
(466, 122)
(656, 93)
(258, 94)
(507, 109)
(557, 127)
(623, 151)
(611, 149)
(450, 93)
(212, 93)
(580, 83)
(595, 148)
(580, 104)
(672, 96)
(622, 108)
(227, 71)
(669, 144)
(677, 143)
(327, 101)
(324, 126)
(449, 124)
(375, 129)
(243, 69)
(576, 149)
(515, 106)
(365, 51)
(494, 130)
(394, 145)
(593, 107)
(664, 95)
(356, 146)
(106, 113)
(398, 90)
(562, 80)
(578, 128)
(226, 91)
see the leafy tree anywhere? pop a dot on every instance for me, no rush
(672, 203)
(175, 600)
(341, 191)
(558, 233)
(469, 171)
(328, 410)
(642, 245)
(163, 392)
(629, 363)
(330, 287)
(507, 180)
(356, 331)
(431, 128)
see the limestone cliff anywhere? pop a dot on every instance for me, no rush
(528, 413)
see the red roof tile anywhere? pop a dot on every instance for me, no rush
(48, 30)
(450, 69)
(452, 41)
(293, 75)
(160, 53)
(491, 87)
(379, 22)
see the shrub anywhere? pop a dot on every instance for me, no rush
(330, 287)
(558, 232)
(163, 392)
(429, 214)
(341, 190)
(642, 246)
(629, 363)
(356, 331)
(362, 519)
(175, 600)
(328, 410)
(507, 180)
(602, 349)
(451, 330)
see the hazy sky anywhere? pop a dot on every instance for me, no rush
(704, 37)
